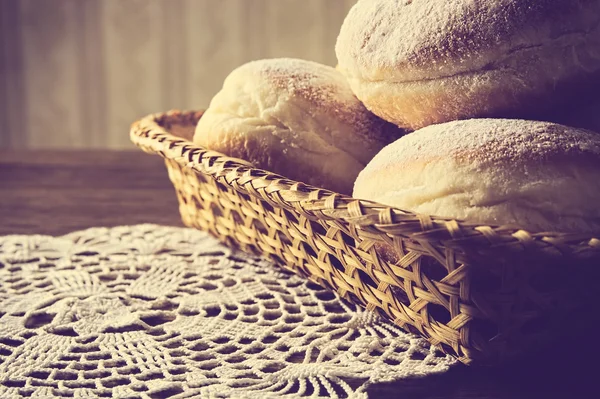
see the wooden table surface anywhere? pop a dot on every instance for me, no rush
(58, 192)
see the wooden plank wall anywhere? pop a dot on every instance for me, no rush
(76, 73)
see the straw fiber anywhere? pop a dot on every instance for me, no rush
(481, 293)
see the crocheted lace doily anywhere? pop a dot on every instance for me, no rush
(155, 312)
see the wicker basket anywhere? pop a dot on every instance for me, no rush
(481, 293)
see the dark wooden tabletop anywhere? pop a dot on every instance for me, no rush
(58, 192)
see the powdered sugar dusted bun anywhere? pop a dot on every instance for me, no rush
(535, 175)
(420, 62)
(296, 118)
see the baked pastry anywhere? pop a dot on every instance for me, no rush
(534, 175)
(296, 118)
(422, 62)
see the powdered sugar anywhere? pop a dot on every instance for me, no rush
(535, 175)
(325, 88)
(320, 83)
(505, 141)
(422, 39)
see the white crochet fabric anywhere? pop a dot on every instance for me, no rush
(154, 312)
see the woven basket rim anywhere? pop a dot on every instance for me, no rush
(148, 134)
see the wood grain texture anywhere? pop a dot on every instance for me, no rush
(13, 125)
(175, 68)
(57, 192)
(85, 70)
(92, 80)
(290, 36)
(132, 34)
(51, 75)
(216, 39)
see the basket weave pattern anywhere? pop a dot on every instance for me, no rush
(481, 293)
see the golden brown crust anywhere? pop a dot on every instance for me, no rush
(536, 175)
(412, 40)
(495, 94)
(296, 118)
(424, 62)
(322, 87)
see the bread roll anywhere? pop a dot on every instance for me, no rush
(421, 62)
(296, 118)
(534, 175)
